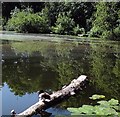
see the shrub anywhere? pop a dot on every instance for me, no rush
(27, 22)
(95, 32)
(77, 30)
(117, 33)
(64, 24)
(2, 23)
(107, 35)
(112, 35)
(1, 20)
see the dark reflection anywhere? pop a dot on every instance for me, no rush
(105, 65)
(31, 66)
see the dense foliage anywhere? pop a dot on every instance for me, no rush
(107, 21)
(26, 21)
(64, 24)
(100, 19)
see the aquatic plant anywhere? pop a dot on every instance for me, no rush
(94, 97)
(108, 108)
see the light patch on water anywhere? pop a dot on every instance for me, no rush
(15, 102)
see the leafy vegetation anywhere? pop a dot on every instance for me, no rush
(1, 23)
(26, 21)
(108, 108)
(106, 25)
(101, 19)
(64, 24)
(94, 97)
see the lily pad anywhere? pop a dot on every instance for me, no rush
(86, 109)
(104, 103)
(105, 108)
(95, 97)
(99, 110)
(113, 102)
(74, 110)
(104, 111)
(116, 107)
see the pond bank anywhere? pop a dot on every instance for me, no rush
(11, 35)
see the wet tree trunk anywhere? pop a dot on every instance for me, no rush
(75, 86)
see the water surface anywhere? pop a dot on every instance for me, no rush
(29, 66)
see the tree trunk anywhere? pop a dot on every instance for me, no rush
(75, 86)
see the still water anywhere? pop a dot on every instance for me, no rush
(30, 66)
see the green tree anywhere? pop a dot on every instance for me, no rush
(81, 12)
(106, 20)
(28, 22)
(64, 24)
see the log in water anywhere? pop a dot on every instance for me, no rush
(56, 97)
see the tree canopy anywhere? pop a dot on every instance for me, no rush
(101, 19)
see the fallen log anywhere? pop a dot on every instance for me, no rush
(56, 97)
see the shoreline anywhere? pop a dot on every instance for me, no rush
(13, 36)
(19, 36)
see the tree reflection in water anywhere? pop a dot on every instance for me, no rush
(31, 66)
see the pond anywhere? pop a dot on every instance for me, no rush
(29, 66)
